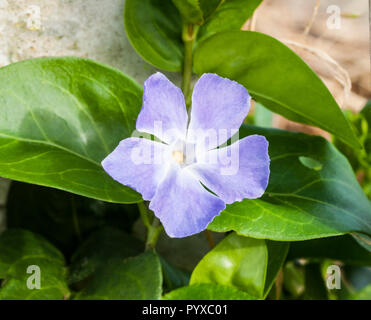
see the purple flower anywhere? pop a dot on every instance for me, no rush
(186, 178)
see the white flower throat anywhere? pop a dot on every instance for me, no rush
(184, 153)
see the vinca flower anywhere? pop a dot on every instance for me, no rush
(187, 174)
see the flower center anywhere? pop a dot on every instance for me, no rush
(183, 153)
(178, 156)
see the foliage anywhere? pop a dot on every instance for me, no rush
(60, 117)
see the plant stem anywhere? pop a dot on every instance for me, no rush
(279, 281)
(210, 239)
(188, 35)
(75, 220)
(189, 32)
(314, 14)
(152, 224)
(153, 233)
(144, 214)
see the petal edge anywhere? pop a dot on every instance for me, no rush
(183, 205)
(241, 172)
(163, 112)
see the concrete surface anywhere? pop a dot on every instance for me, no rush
(85, 28)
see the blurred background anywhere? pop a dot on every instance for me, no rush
(338, 51)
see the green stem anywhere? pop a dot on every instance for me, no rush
(210, 239)
(153, 234)
(144, 214)
(188, 34)
(75, 220)
(152, 224)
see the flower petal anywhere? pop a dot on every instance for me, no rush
(219, 106)
(240, 170)
(139, 164)
(163, 113)
(183, 205)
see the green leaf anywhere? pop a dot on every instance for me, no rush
(262, 116)
(246, 264)
(20, 249)
(185, 252)
(355, 280)
(294, 279)
(103, 245)
(343, 248)
(155, 31)
(363, 294)
(277, 252)
(154, 27)
(300, 203)
(276, 77)
(366, 113)
(62, 217)
(363, 240)
(208, 7)
(60, 117)
(207, 291)
(189, 10)
(360, 159)
(310, 163)
(130, 279)
(231, 15)
(173, 277)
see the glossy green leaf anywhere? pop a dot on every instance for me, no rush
(277, 252)
(207, 291)
(262, 116)
(300, 203)
(62, 217)
(173, 277)
(363, 240)
(189, 10)
(154, 27)
(231, 15)
(60, 117)
(276, 77)
(126, 279)
(103, 245)
(246, 264)
(208, 7)
(360, 159)
(155, 31)
(343, 248)
(186, 252)
(366, 113)
(20, 249)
